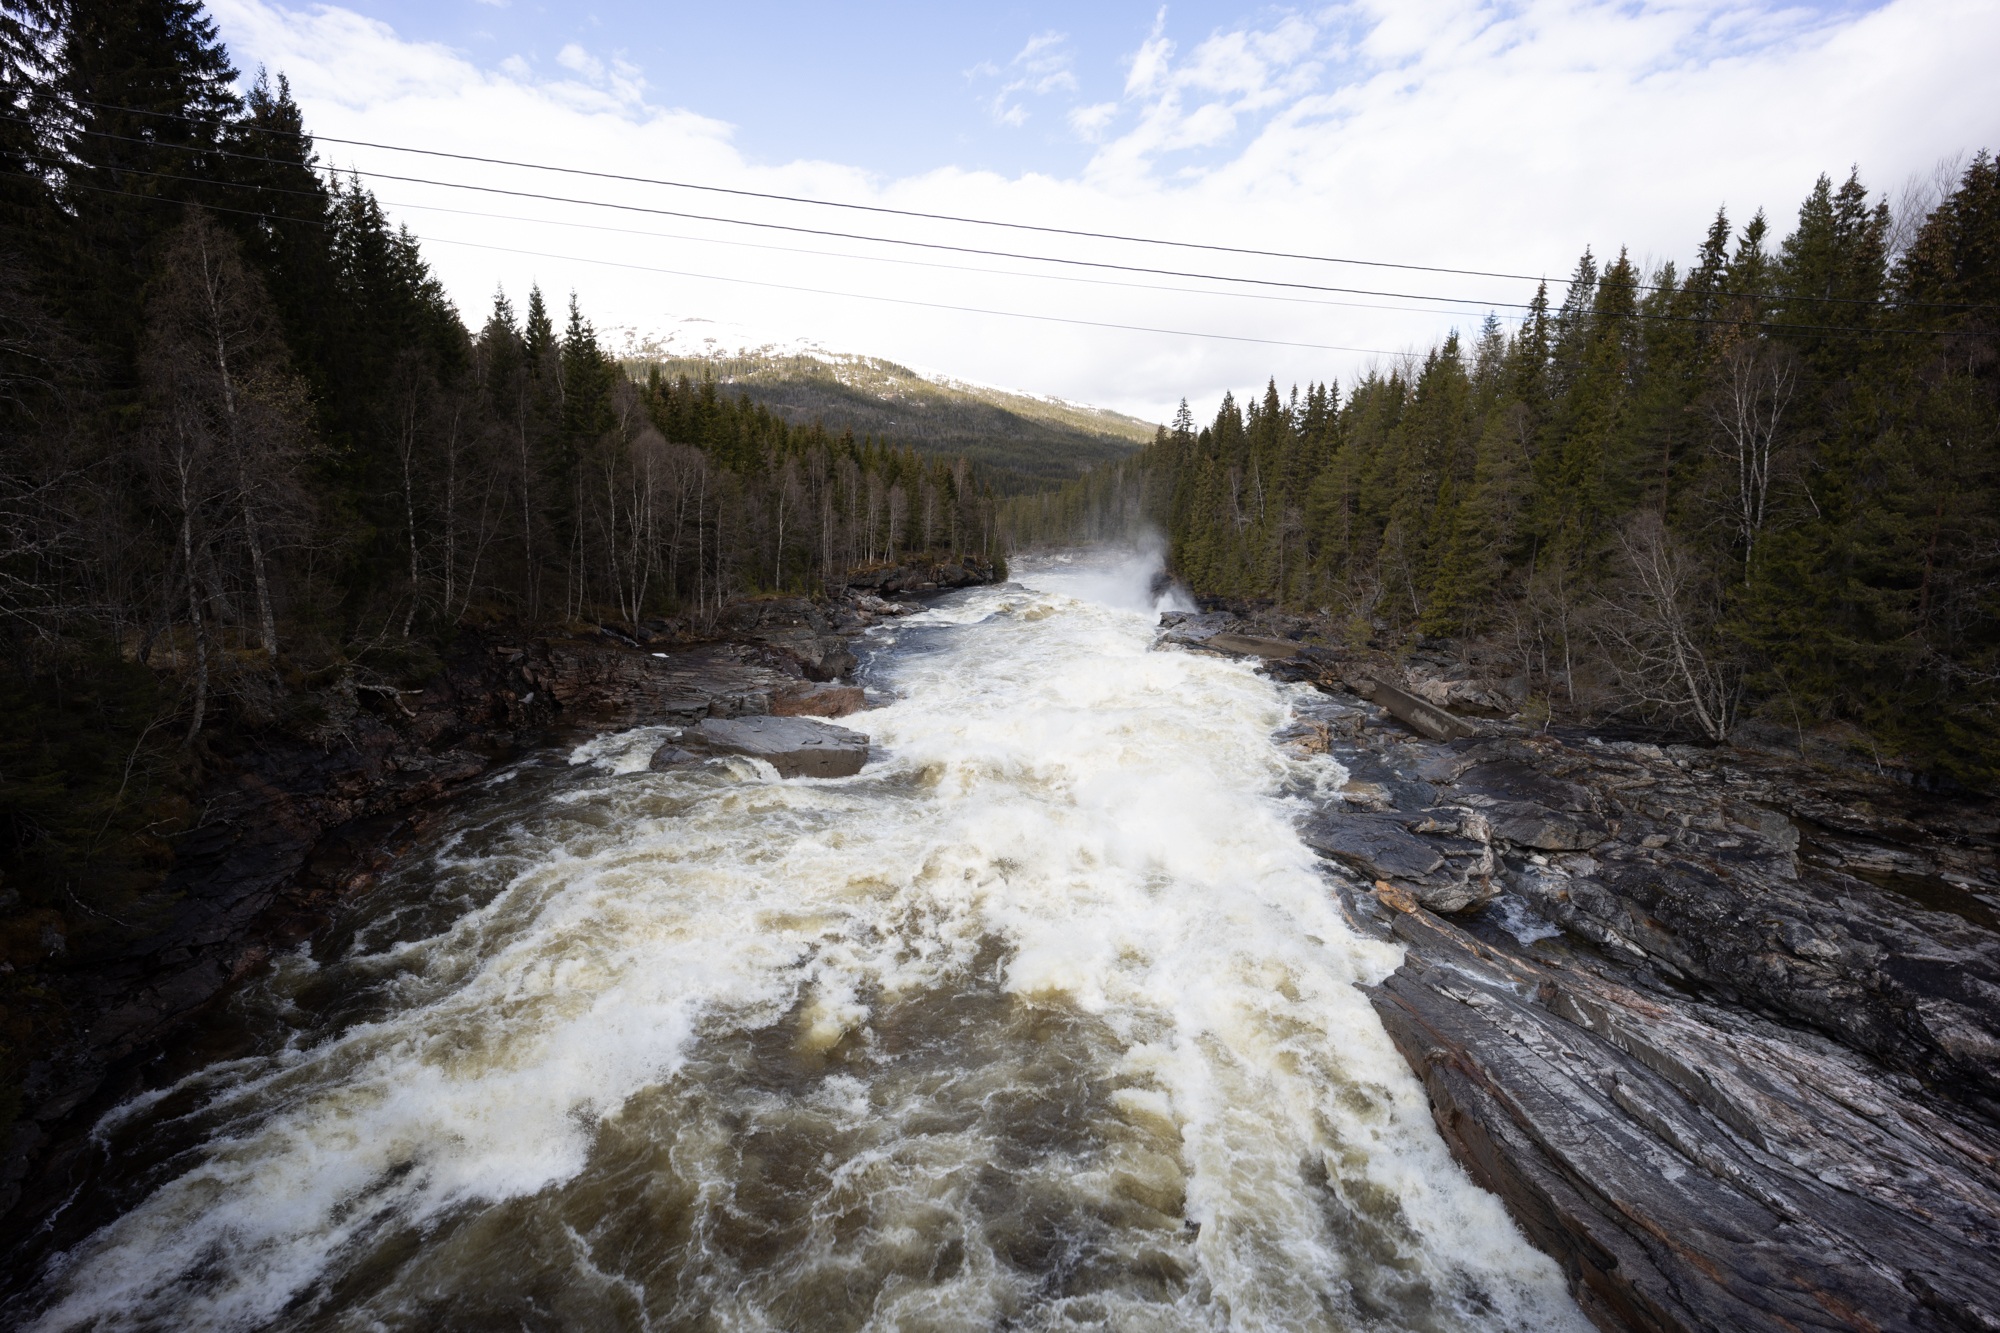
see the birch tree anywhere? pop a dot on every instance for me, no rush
(1746, 407)
(216, 363)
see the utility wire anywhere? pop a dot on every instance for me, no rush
(779, 226)
(932, 217)
(1831, 330)
(931, 264)
(859, 296)
(750, 282)
(927, 305)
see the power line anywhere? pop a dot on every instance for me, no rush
(1831, 330)
(858, 296)
(806, 231)
(178, 203)
(713, 240)
(924, 263)
(901, 300)
(751, 282)
(937, 217)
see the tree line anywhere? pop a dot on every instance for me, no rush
(1767, 484)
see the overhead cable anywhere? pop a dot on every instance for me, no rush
(1769, 325)
(932, 217)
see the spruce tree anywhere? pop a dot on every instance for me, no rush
(144, 90)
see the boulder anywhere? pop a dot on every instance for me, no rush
(670, 756)
(798, 747)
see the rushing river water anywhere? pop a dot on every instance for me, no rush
(1045, 1019)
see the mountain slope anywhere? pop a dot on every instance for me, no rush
(1037, 437)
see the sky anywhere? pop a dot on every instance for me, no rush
(1500, 138)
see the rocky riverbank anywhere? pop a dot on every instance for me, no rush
(294, 822)
(1721, 1026)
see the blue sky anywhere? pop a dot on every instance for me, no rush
(898, 89)
(1489, 136)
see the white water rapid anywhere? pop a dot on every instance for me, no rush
(1045, 1019)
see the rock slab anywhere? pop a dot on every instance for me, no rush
(1424, 716)
(1692, 1167)
(798, 747)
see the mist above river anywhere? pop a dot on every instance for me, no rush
(1045, 1018)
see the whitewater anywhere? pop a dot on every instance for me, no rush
(1046, 1019)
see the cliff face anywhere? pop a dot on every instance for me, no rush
(1722, 1028)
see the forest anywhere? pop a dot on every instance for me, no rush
(250, 451)
(1765, 487)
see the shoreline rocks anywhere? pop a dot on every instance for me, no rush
(1692, 1166)
(1721, 1029)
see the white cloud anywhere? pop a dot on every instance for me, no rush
(1149, 63)
(1090, 122)
(576, 58)
(1448, 132)
(1041, 67)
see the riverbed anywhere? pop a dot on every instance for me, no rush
(1046, 1018)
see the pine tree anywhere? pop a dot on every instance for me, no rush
(27, 34)
(284, 225)
(539, 341)
(144, 90)
(1831, 272)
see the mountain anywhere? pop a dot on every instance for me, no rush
(1037, 437)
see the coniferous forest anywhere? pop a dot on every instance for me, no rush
(248, 447)
(1762, 487)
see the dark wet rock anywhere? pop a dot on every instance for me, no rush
(1515, 780)
(1526, 824)
(1377, 845)
(604, 684)
(1691, 862)
(1747, 1073)
(1189, 629)
(1446, 874)
(671, 756)
(1520, 804)
(1918, 989)
(793, 627)
(1691, 1166)
(966, 572)
(795, 746)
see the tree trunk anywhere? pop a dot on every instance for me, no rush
(195, 618)
(267, 622)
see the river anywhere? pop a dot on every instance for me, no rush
(1046, 1019)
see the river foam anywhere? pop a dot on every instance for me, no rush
(1046, 1017)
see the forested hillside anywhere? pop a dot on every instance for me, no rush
(1022, 442)
(1767, 483)
(250, 453)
